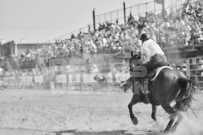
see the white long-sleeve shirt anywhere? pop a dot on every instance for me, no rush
(148, 49)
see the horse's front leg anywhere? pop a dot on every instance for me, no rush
(135, 99)
(153, 115)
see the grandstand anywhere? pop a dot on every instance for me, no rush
(177, 28)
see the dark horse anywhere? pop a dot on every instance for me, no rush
(169, 86)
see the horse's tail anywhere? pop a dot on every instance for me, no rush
(185, 95)
(183, 82)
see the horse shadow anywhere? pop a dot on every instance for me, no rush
(115, 132)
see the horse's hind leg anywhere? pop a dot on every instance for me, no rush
(135, 99)
(180, 117)
(169, 110)
(153, 115)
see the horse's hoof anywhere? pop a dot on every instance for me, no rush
(154, 117)
(135, 121)
(167, 130)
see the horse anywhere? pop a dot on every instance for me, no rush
(168, 85)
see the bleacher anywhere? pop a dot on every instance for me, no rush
(176, 32)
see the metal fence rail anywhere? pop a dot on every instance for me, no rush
(69, 81)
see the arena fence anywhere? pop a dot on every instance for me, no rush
(67, 82)
(195, 66)
(83, 81)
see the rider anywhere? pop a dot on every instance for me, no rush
(152, 57)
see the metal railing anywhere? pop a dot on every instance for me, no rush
(118, 15)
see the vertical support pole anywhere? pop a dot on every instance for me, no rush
(171, 6)
(154, 7)
(163, 5)
(124, 11)
(117, 15)
(94, 21)
(163, 9)
(146, 7)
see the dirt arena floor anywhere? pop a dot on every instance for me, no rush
(44, 112)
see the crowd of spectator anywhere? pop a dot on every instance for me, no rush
(178, 28)
(181, 27)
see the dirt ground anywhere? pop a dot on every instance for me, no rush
(42, 112)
